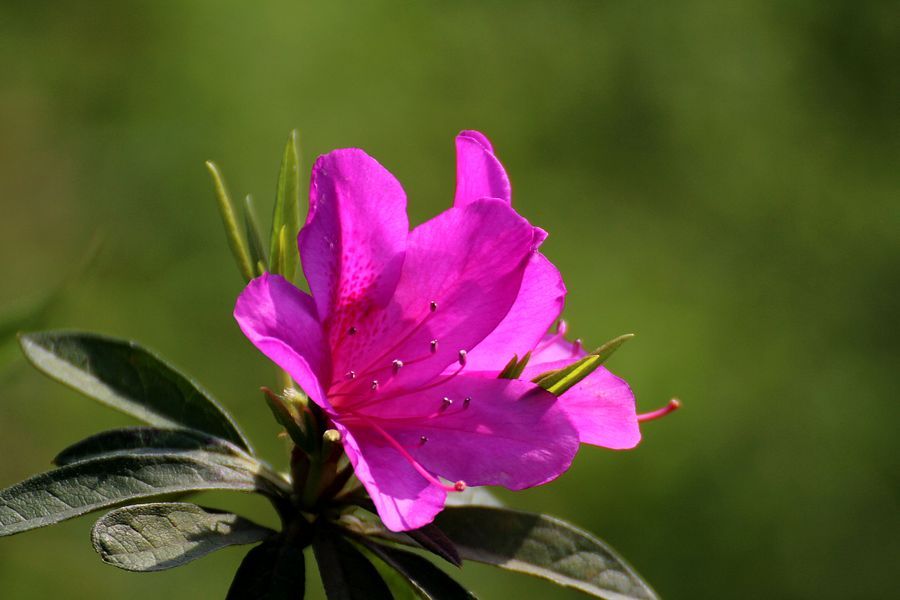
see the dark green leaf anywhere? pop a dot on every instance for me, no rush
(430, 582)
(346, 573)
(254, 237)
(129, 378)
(226, 209)
(82, 487)
(286, 217)
(274, 570)
(510, 368)
(146, 439)
(159, 536)
(559, 381)
(544, 547)
(428, 537)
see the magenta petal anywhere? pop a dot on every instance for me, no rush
(601, 406)
(538, 305)
(281, 322)
(510, 433)
(457, 285)
(353, 242)
(403, 498)
(478, 172)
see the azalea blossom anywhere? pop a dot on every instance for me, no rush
(404, 332)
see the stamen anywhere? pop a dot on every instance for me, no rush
(434, 344)
(466, 403)
(446, 403)
(462, 358)
(562, 327)
(456, 487)
(673, 405)
(352, 331)
(422, 440)
(397, 364)
(374, 385)
(432, 305)
(576, 347)
(351, 375)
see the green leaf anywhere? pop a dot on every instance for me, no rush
(159, 536)
(544, 547)
(226, 209)
(428, 537)
(254, 237)
(427, 580)
(287, 211)
(559, 381)
(129, 378)
(82, 487)
(274, 570)
(144, 439)
(346, 573)
(510, 368)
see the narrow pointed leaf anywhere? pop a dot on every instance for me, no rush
(164, 535)
(226, 209)
(346, 573)
(274, 570)
(544, 547)
(254, 237)
(559, 381)
(82, 487)
(510, 368)
(427, 580)
(287, 210)
(144, 439)
(129, 378)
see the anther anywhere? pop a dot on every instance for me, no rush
(562, 327)
(352, 331)
(673, 405)
(374, 385)
(351, 375)
(576, 346)
(446, 403)
(432, 305)
(466, 402)
(422, 440)
(462, 358)
(433, 346)
(459, 486)
(397, 364)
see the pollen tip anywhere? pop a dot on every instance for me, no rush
(432, 306)
(434, 346)
(459, 486)
(422, 440)
(562, 327)
(445, 403)
(462, 358)
(352, 331)
(374, 384)
(673, 405)
(351, 375)
(466, 402)
(397, 364)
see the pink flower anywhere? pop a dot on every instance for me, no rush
(405, 331)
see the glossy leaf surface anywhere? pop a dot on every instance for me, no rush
(82, 487)
(164, 535)
(544, 547)
(129, 378)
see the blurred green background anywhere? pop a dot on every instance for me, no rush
(721, 178)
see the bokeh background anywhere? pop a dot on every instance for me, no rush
(719, 177)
